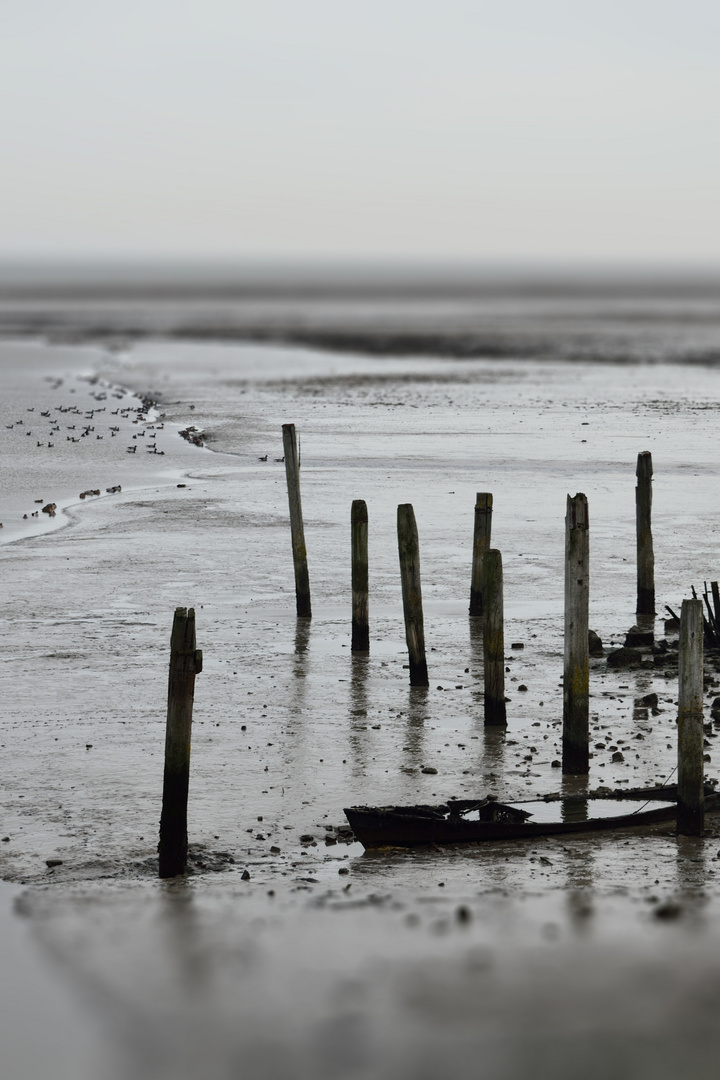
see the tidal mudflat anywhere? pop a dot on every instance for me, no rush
(590, 955)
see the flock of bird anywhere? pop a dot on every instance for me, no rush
(85, 421)
(86, 430)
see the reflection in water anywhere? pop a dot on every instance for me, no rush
(179, 920)
(579, 882)
(574, 785)
(300, 666)
(493, 753)
(574, 810)
(417, 717)
(640, 712)
(492, 748)
(359, 674)
(302, 640)
(690, 866)
(475, 627)
(294, 748)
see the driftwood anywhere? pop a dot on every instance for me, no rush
(711, 616)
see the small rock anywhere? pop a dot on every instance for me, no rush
(556, 764)
(275, 850)
(522, 688)
(50, 863)
(306, 838)
(651, 700)
(517, 645)
(259, 836)
(343, 870)
(618, 756)
(463, 914)
(6, 839)
(429, 770)
(595, 644)
(639, 639)
(625, 657)
(668, 910)
(245, 876)
(672, 626)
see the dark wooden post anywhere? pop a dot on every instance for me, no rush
(185, 664)
(645, 556)
(576, 672)
(292, 471)
(691, 811)
(360, 603)
(409, 552)
(481, 543)
(493, 639)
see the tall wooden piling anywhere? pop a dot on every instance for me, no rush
(576, 671)
(645, 555)
(690, 812)
(360, 602)
(292, 471)
(493, 639)
(481, 543)
(409, 552)
(185, 664)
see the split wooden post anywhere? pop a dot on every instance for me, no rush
(690, 811)
(645, 556)
(292, 471)
(481, 543)
(360, 602)
(185, 664)
(576, 672)
(493, 639)
(409, 552)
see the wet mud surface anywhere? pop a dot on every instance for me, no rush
(327, 960)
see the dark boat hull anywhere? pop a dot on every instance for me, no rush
(400, 827)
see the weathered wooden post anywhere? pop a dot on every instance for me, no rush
(185, 664)
(360, 603)
(292, 471)
(493, 639)
(481, 543)
(409, 552)
(690, 811)
(576, 672)
(645, 556)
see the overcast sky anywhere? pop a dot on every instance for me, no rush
(456, 129)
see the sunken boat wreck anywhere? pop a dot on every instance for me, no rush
(466, 821)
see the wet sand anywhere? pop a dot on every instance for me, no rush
(408, 964)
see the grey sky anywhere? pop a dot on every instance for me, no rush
(456, 129)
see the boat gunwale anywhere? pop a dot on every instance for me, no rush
(396, 826)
